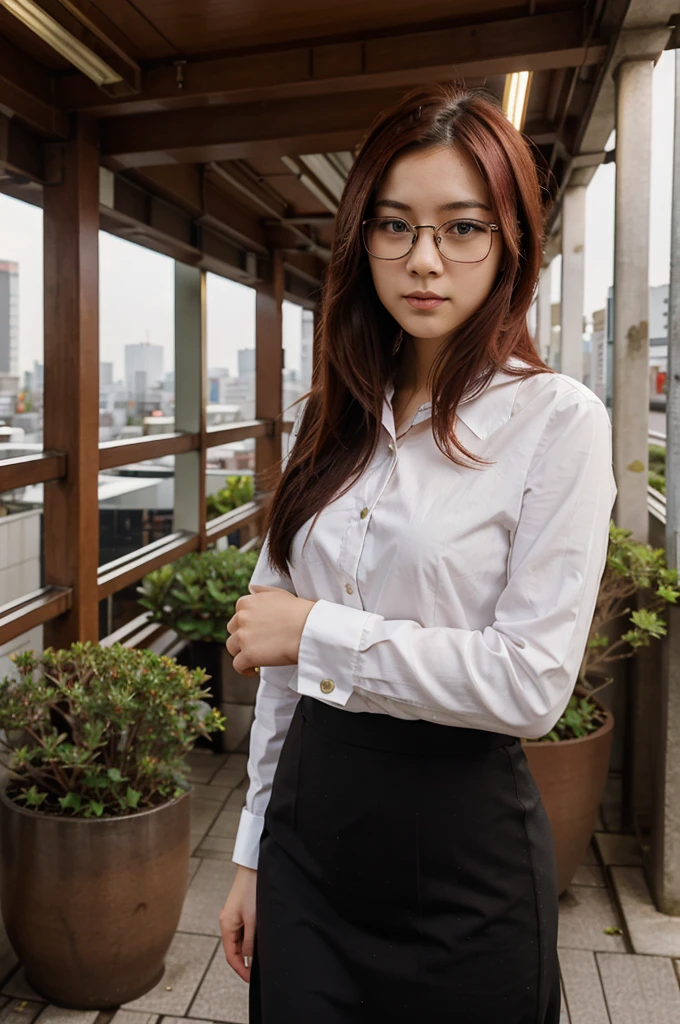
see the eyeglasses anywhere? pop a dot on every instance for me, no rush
(461, 240)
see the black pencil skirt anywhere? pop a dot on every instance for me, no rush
(406, 872)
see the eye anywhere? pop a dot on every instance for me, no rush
(462, 228)
(394, 227)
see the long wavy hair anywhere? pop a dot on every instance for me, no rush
(356, 336)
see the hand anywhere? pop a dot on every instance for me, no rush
(237, 921)
(266, 628)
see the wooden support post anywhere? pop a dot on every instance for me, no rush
(269, 364)
(71, 416)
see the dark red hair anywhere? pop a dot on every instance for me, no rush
(341, 422)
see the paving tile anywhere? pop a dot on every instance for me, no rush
(20, 1011)
(582, 988)
(216, 848)
(17, 986)
(203, 814)
(590, 855)
(639, 989)
(133, 1017)
(584, 913)
(564, 1013)
(237, 761)
(236, 801)
(226, 824)
(183, 1020)
(589, 874)
(185, 965)
(650, 931)
(203, 765)
(206, 896)
(618, 848)
(223, 996)
(60, 1015)
(228, 777)
(211, 791)
(194, 864)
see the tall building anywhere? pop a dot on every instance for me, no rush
(143, 368)
(307, 348)
(9, 317)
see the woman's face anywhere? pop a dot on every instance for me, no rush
(433, 186)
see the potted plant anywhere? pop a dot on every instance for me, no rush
(196, 596)
(570, 764)
(237, 491)
(95, 817)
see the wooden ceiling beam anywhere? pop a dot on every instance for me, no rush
(26, 93)
(313, 124)
(477, 50)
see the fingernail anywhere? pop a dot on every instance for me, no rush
(245, 961)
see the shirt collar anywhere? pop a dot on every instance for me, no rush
(482, 414)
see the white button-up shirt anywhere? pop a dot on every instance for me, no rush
(459, 595)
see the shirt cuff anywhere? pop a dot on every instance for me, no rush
(247, 844)
(329, 648)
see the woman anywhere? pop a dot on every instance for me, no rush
(415, 612)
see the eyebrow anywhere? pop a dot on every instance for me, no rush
(459, 204)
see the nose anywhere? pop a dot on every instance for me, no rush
(424, 258)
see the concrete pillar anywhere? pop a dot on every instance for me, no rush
(543, 313)
(573, 252)
(665, 863)
(630, 410)
(190, 396)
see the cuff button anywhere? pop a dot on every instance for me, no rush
(327, 685)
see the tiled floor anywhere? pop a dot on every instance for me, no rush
(629, 977)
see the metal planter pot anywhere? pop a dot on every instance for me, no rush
(571, 776)
(91, 905)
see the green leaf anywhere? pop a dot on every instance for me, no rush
(71, 801)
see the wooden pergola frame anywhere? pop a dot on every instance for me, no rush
(166, 158)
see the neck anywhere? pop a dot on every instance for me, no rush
(415, 359)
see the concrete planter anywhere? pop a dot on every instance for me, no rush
(571, 776)
(91, 905)
(233, 694)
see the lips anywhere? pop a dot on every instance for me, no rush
(424, 300)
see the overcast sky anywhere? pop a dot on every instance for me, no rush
(136, 294)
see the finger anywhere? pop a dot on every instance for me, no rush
(232, 645)
(231, 942)
(248, 940)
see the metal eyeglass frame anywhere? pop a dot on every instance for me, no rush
(414, 237)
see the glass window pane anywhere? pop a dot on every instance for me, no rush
(21, 327)
(135, 506)
(229, 481)
(21, 542)
(230, 316)
(137, 338)
(30, 641)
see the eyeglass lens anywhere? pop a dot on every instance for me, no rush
(465, 241)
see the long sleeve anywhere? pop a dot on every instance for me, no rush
(275, 703)
(517, 674)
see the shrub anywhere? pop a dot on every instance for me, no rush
(101, 731)
(197, 594)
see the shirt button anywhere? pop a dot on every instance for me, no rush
(363, 513)
(327, 685)
(391, 446)
(349, 588)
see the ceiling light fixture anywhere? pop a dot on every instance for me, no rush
(515, 96)
(61, 40)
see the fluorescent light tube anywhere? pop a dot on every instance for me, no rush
(61, 40)
(515, 96)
